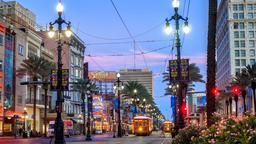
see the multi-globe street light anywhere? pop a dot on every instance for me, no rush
(59, 125)
(119, 86)
(177, 17)
(89, 110)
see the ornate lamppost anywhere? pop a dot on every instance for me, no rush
(59, 125)
(119, 86)
(177, 17)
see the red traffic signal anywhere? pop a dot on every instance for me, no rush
(236, 90)
(215, 91)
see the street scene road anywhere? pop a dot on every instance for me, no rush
(154, 138)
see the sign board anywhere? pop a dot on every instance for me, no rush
(184, 66)
(54, 80)
(174, 69)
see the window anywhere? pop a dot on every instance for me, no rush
(252, 61)
(72, 59)
(237, 62)
(254, 6)
(236, 34)
(243, 53)
(249, 7)
(242, 43)
(236, 43)
(1, 39)
(250, 25)
(242, 34)
(252, 53)
(237, 54)
(21, 50)
(235, 15)
(241, 25)
(240, 7)
(250, 16)
(241, 15)
(235, 7)
(235, 25)
(251, 43)
(243, 62)
(251, 34)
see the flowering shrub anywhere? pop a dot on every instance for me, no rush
(231, 130)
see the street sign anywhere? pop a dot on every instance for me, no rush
(173, 70)
(184, 68)
(54, 80)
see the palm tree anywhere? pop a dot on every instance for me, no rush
(211, 62)
(251, 70)
(48, 66)
(83, 86)
(194, 76)
(135, 90)
(243, 81)
(32, 67)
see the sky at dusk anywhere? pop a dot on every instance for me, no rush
(98, 25)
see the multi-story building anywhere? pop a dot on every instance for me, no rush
(72, 59)
(20, 16)
(143, 76)
(236, 26)
(235, 40)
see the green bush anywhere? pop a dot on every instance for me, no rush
(184, 136)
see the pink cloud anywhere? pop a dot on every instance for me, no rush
(152, 59)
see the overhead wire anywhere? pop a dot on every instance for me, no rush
(129, 32)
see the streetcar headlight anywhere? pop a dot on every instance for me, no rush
(140, 129)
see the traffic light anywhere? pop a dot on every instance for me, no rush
(236, 90)
(215, 91)
(111, 112)
(184, 108)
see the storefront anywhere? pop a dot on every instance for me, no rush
(12, 122)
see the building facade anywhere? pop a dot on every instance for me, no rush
(143, 76)
(235, 43)
(20, 16)
(236, 27)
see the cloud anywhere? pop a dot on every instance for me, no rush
(152, 59)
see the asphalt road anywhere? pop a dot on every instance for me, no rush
(154, 138)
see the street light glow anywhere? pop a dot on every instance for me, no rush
(176, 3)
(186, 28)
(168, 28)
(135, 91)
(51, 32)
(118, 75)
(59, 8)
(68, 31)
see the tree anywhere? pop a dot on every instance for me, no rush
(243, 81)
(211, 62)
(83, 86)
(46, 73)
(251, 70)
(32, 67)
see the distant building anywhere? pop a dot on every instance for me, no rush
(143, 76)
(20, 16)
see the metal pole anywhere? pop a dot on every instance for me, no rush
(59, 125)
(84, 115)
(119, 109)
(236, 100)
(180, 96)
(89, 107)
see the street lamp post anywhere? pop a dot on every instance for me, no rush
(119, 87)
(59, 125)
(177, 17)
(89, 107)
